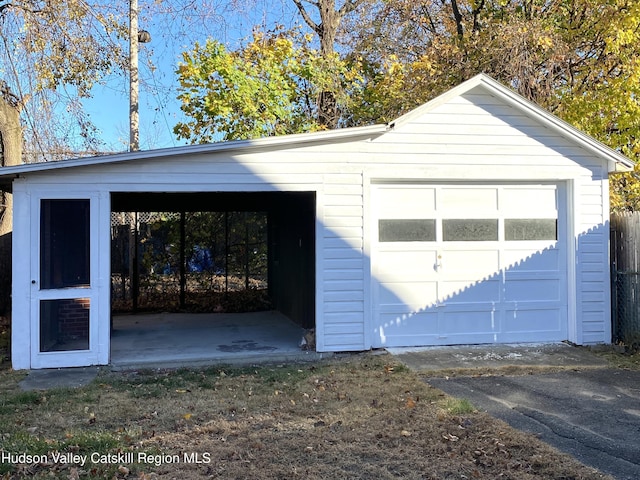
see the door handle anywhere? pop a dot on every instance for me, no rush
(438, 264)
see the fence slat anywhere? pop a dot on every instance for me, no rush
(625, 278)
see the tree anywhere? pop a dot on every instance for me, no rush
(330, 16)
(53, 54)
(416, 50)
(57, 50)
(269, 87)
(579, 59)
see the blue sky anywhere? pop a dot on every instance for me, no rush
(171, 35)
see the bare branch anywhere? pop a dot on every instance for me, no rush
(348, 7)
(476, 14)
(307, 18)
(8, 6)
(458, 18)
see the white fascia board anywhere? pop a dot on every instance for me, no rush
(282, 141)
(615, 160)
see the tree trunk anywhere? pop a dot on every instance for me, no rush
(330, 21)
(327, 29)
(10, 154)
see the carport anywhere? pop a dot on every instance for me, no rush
(151, 335)
(290, 242)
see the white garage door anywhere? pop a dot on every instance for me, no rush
(457, 264)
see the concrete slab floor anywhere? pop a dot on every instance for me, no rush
(177, 339)
(58, 378)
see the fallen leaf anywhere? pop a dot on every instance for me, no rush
(123, 470)
(411, 403)
(187, 416)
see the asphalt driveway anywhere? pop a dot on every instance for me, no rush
(589, 411)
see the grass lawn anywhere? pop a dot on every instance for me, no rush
(359, 417)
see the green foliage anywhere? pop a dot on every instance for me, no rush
(603, 97)
(268, 87)
(64, 41)
(458, 406)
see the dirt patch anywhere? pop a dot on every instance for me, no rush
(359, 417)
(618, 356)
(507, 370)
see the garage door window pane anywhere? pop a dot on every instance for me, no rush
(531, 229)
(410, 230)
(470, 230)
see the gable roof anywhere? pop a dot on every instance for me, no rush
(616, 161)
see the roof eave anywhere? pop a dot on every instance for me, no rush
(615, 160)
(230, 146)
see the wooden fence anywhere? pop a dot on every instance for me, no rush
(625, 278)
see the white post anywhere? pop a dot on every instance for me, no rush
(134, 121)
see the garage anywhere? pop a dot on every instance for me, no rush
(469, 263)
(475, 218)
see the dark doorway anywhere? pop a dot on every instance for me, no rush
(214, 252)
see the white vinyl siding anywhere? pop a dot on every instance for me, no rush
(343, 303)
(592, 269)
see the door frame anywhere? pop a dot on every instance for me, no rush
(565, 218)
(71, 358)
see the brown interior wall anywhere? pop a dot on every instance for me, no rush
(292, 257)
